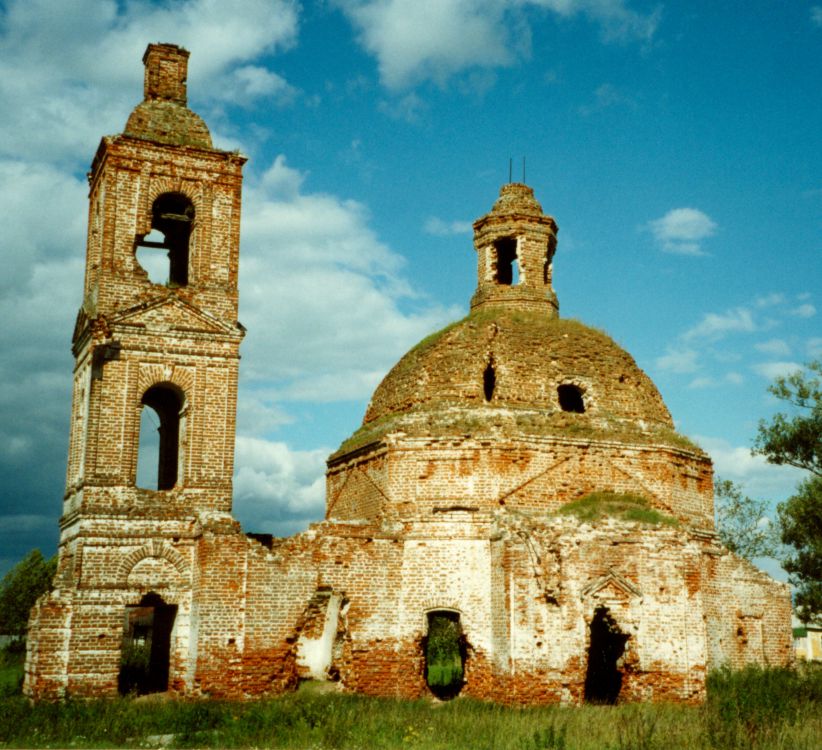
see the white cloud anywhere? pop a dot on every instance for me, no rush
(678, 361)
(729, 378)
(816, 15)
(774, 347)
(770, 300)
(251, 82)
(814, 347)
(758, 478)
(715, 326)
(682, 230)
(322, 297)
(773, 370)
(806, 310)
(441, 228)
(605, 96)
(418, 40)
(68, 72)
(276, 489)
(408, 108)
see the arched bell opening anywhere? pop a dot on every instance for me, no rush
(445, 652)
(172, 218)
(145, 657)
(158, 454)
(603, 677)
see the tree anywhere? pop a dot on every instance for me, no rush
(20, 588)
(796, 439)
(743, 524)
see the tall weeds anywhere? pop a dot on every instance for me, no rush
(755, 709)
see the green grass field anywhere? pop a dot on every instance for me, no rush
(755, 710)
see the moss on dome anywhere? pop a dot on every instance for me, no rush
(441, 386)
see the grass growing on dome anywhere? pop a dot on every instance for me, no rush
(623, 506)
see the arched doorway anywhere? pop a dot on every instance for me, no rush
(146, 650)
(444, 647)
(603, 679)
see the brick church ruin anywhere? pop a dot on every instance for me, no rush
(447, 523)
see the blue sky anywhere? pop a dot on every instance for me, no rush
(676, 144)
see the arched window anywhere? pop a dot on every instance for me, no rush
(159, 452)
(172, 217)
(507, 266)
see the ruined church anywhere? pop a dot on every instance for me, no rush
(455, 557)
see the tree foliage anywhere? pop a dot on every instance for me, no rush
(796, 439)
(21, 587)
(743, 524)
(800, 517)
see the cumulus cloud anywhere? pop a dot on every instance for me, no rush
(419, 40)
(719, 341)
(682, 230)
(758, 478)
(678, 360)
(774, 347)
(605, 96)
(806, 310)
(442, 228)
(772, 370)
(325, 301)
(715, 326)
(68, 73)
(277, 489)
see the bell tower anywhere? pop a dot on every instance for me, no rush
(157, 334)
(515, 246)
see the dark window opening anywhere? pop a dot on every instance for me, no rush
(172, 217)
(489, 380)
(159, 448)
(507, 268)
(146, 649)
(603, 679)
(570, 399)
(445, 651)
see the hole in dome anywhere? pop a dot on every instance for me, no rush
(489, 380)
(570, 398)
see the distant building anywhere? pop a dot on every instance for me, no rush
(807, 640)
(448, 561)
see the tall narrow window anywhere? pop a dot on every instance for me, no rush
(159, 454)
(489, 380)
(507, 268)
(172, 217)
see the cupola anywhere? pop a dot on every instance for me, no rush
(515, 246)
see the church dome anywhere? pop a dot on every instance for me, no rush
(512, 366)
(163, 116)
(168, 123)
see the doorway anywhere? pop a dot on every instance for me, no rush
(603, 679)
(445, 651)
(146, 650)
